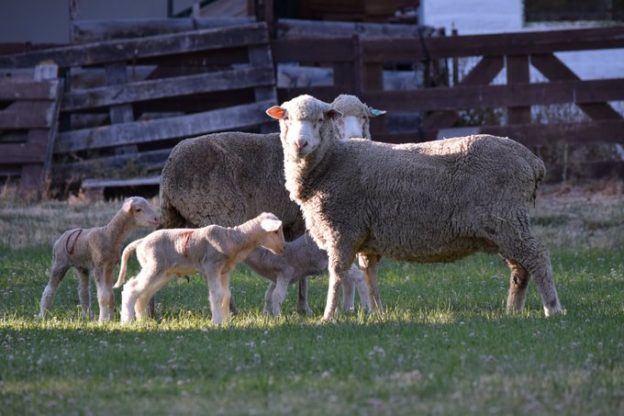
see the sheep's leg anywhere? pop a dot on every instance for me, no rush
(523, 248)
(348, 293)
(340, 260)
(267, 298)
(47, 297)
(302, 299)
(279, 294)
(83, 292)
(369, 263)
(518, 283)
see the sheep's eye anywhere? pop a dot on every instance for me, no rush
(139, 209)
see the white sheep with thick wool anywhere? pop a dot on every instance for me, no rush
(428, 202)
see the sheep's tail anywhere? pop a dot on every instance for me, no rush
(130, 248)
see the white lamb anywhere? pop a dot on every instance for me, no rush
(301, 258)
(212, 251)
(96, 250)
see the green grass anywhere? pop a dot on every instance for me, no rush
(444, 346)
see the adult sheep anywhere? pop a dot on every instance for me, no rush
(428, 202)
(229, 178)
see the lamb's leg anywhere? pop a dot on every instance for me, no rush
(369, 263)
(302, 299)
(520, 246)
(130, 293)
(215, 293)
(226, 302)
(358, 277)
(518, 283)
(267, 298)
(279, 294)
(233, 308)
(83, 292)
(348, 293)
(105, 295)
(47, 298)
(156, 282)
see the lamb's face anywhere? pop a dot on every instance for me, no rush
(301, 121)
(144, 213)
(273, 239)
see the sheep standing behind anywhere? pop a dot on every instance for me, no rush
(428, 202)
(96, 250)
(301, 258)
(228, 178)
(213, 251)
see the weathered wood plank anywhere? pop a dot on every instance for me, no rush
(552, 68)
(22, 89)
(313, 50)
(136, 49)
(116, 75)
(545, 134)
(497, 96)
(518, 73)
(153, 158)
(84, 31)
(237, 117)
(26, 115)
(520, 43)
(168, 87)
(117, 183)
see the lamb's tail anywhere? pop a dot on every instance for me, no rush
(130, 248)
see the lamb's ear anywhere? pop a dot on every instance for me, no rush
(373, 112)
(276, 112)
(270, 225)
(128, 204)
(333, 114)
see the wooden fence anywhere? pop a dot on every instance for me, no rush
(28, 123)
(132, 91)
(129, 101)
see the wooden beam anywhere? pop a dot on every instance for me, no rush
(496, 96)
(168, 87)
(313, 50)
(22, 89)
(555, 70)
(230, 118)
(26, 115)
(137, 49)
(519, 43)
(518, 73)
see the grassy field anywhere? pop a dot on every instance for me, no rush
(444, 345)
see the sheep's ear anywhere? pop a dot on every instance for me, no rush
(276, 112)
(270, 225)
(128, 205)
(333, 114)
(373, 112)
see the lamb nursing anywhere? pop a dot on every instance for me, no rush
(428, 202)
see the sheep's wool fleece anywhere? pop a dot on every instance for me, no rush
(226, 179)
(425, 202)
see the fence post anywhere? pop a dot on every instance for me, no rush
(518, 73)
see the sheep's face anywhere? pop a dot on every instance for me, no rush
(301, 122)
(273, 239)
(142, 211)
(355, 120)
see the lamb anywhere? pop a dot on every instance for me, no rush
(428, 202)
(96, 250)
(301, 258)
(228, 178)
(212, 250)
